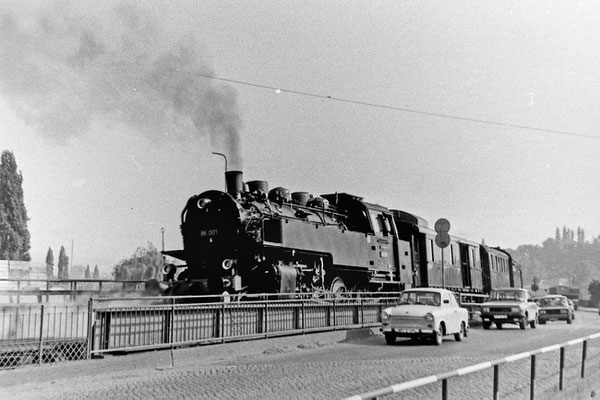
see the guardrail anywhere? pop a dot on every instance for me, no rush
(444, 377)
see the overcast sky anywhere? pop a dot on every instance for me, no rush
(484, 113)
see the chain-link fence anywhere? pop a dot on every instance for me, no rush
(40, 334)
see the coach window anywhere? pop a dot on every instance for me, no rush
(452, 253)
(430, 250)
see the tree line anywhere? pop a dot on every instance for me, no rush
(567, 259)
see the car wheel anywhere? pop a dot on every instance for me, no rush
(461, 333)
(499, 325)
(573, 315)
(486, 324)
(569, 320)
(523, 323)
(438, 336)
(390, 338)
(533, 322)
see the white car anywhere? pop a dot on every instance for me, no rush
(425, 313)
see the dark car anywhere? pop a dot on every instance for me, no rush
(555, 308)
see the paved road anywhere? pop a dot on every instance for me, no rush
(329, 365)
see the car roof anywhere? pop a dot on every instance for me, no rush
(511, 288)
(437, 290)
(554, 296)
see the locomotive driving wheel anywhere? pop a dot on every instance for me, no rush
(337, 285)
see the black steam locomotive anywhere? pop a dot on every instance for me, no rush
(254, 240)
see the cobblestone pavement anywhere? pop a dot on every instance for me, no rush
(328, 365)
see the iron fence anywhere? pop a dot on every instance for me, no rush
(125, 327)
(44, 333)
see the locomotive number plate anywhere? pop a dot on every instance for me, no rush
(209, 232)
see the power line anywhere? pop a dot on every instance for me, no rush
(402, 109)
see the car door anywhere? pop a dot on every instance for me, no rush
(532, 307)
(450, 308)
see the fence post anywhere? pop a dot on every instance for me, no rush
(496, 381)
(303, 313)
(223, 322)
(444, 389)
(334, 321)
(172, 320)
(41, 349)
(266, 319)
(583, 356)
(90, 326)
(562, 368)
(362, 312)
(532, 382)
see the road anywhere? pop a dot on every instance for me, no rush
(328, 365)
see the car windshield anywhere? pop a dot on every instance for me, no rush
(517, 295)
(553, 301)
(419, 297)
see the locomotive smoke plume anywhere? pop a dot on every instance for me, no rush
(68, 69)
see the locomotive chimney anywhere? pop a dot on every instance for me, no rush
(234, 182)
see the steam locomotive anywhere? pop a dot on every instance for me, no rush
(250, 239)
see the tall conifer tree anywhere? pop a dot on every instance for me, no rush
(14, 235)
(63, 264)
(50, 264)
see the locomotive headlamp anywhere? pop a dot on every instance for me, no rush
(429, 317)
(203, 202)
(168, 268)
(227, 263)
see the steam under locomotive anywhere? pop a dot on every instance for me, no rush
(255, 240)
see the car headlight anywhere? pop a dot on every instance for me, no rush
(429, 317)
(384, 315)
(563, 311)
(486, 309)
(515, 309)
(542, 311)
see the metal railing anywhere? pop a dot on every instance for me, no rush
(42, 334)
(126, 326)
(39, 291)
(52, 333)
(532, 355)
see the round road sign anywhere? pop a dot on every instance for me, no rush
(442, 225)
(442, 239)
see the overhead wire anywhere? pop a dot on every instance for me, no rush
(395, 108)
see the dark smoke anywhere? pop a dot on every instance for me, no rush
(67, 70)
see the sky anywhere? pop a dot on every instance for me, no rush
(483, 113)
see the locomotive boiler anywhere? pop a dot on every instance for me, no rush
(255, 240)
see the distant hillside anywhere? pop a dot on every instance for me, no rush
(566, 259)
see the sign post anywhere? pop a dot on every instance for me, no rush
(442, 239)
